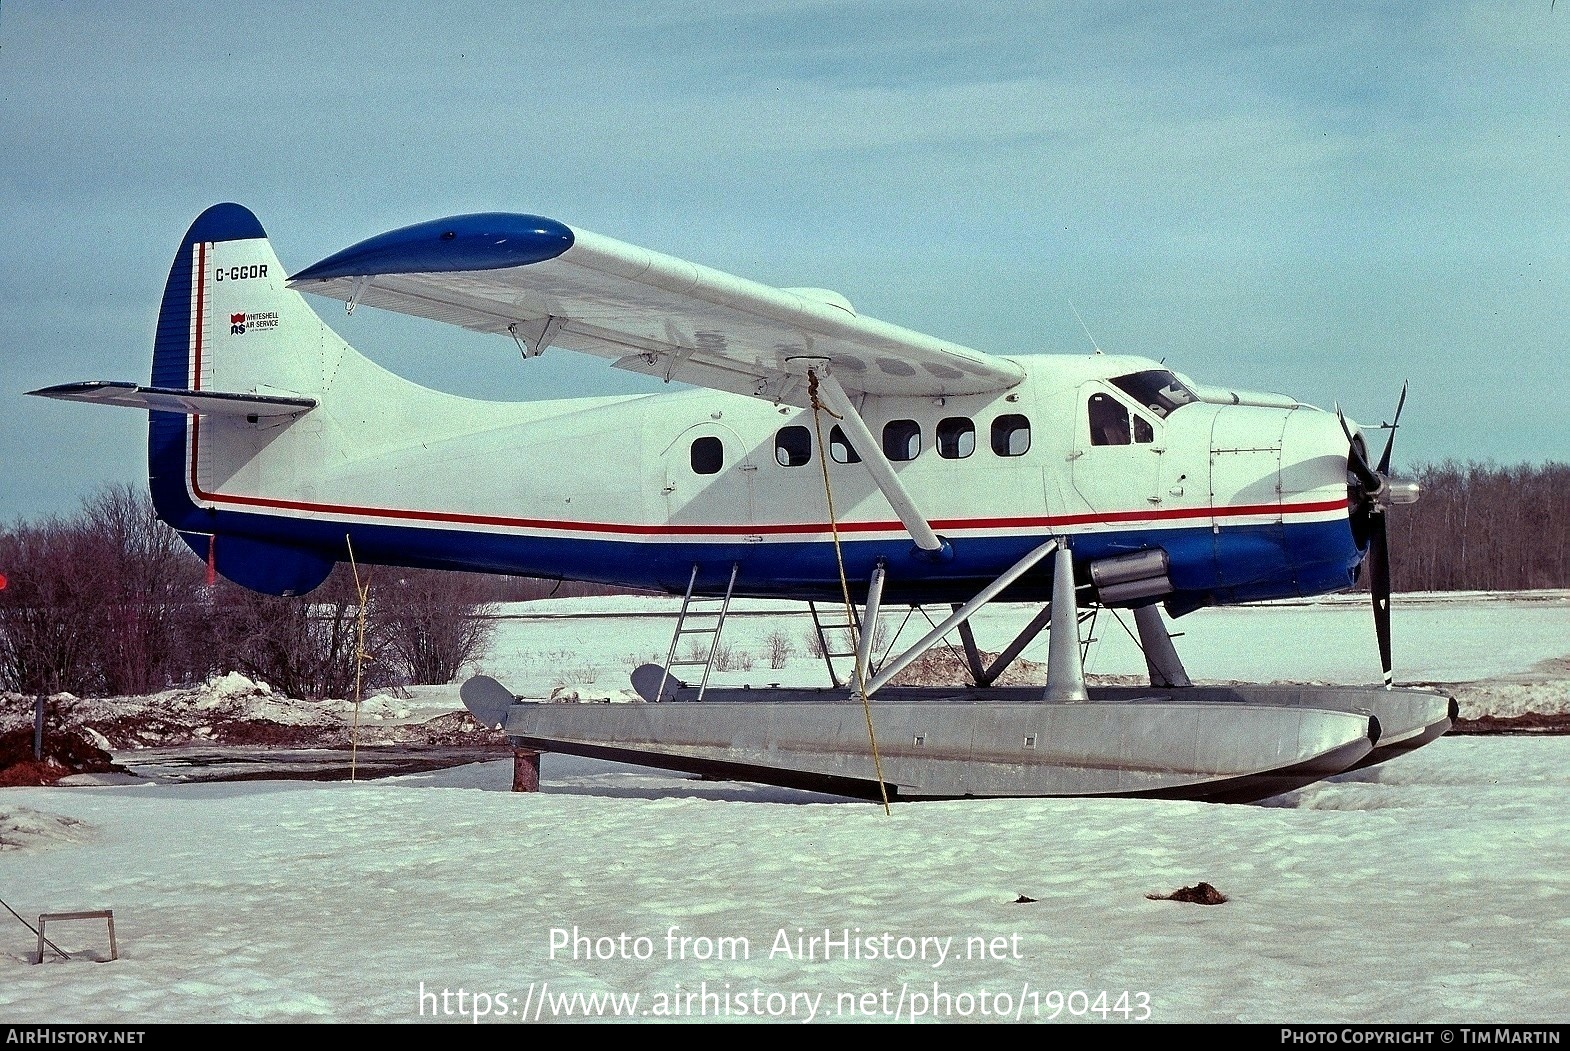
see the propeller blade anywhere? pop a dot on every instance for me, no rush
(1359, 462)
(1384, 461)
(1379, 587)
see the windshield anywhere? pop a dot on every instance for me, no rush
(1157, 390)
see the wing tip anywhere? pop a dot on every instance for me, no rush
(482, 241)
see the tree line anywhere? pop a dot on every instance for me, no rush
(1483, 527)
(111, 602)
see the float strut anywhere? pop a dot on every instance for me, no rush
(1160, 656)
(1065, 672)
(964, 613)
(869, 619)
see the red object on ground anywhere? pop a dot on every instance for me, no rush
(66, 751)
(2, 581)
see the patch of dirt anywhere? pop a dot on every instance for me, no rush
(941, 666)
(1552, 668)
(1510, 697)
(1529, 723)
(78, 732)
(1199, 894)
(23, 827)
(65, 752)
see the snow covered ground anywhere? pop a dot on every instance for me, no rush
(1431, 889)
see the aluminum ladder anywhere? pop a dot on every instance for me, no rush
(836, 638)
(709, 615)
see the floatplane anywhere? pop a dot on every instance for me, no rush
(813, 454)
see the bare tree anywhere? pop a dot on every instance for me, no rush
(779, 648)
(306, 646)
(1480, 526)
(112, 601)
(47, 610)
(149, 595)
(433, 622)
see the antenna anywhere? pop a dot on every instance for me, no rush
(1082, 324)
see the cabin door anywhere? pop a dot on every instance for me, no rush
(1117, 453)
(709, 477)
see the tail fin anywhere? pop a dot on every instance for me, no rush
(228, 325)
(227, 321)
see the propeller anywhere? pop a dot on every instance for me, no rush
(1376, 493)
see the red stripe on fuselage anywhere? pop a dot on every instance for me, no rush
(1034, 522)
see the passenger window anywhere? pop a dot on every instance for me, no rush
(708, 456)
(840, 448)
(956, 438)
(1011, 435)
(1108, 421)
(1144, 433)
(793, 446)
(902, 439)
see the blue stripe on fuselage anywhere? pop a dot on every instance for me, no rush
(1238, 564)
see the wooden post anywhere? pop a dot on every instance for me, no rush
(38, 728)
(525, 770)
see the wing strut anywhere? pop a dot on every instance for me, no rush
(826, 388)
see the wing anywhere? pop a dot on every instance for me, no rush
(551, 285)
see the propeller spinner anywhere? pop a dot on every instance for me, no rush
(1372, 491)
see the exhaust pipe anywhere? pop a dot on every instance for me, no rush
(1129, 578)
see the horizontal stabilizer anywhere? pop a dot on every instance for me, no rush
(172, 399)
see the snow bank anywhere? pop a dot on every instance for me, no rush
(23, 828)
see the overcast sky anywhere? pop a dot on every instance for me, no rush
(1322, 199)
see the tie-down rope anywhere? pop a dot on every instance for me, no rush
(839, 557)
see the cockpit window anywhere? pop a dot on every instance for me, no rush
(1112, 424)
(1157, 390)
(1108, 421)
